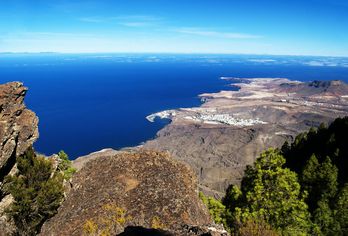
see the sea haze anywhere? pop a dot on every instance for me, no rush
(87, 102)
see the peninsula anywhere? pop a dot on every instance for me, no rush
(230, 129)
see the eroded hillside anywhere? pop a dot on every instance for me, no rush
(231, 128)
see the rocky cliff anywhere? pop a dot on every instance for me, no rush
(18, 131)
(144, 188)
(18, 125)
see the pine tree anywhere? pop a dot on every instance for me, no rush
(341, 209)
(320, 180)
(271, 194)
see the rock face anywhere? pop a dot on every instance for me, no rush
(18, 131)
(18, 125)
(151, 187)
(231, 128)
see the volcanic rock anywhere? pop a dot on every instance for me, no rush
(150, 188)
(18, 125)
(18, 131)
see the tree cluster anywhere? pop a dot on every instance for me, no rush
(320, 158)
(301, 189)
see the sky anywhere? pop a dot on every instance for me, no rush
(278, 27)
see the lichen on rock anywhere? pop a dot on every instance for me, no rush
(149, 188)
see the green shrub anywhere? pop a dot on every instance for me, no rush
(65, 165)
(217, 210)
(37, 192)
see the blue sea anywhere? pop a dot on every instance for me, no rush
(87, 102)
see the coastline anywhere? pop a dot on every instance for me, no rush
(230, 129)
(253, 91)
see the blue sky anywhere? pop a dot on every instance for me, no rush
(294, 27)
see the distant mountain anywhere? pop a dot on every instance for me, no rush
(322, 88)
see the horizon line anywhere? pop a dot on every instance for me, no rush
(177, 53)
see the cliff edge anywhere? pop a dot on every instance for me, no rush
(18, 125)
(18, 131)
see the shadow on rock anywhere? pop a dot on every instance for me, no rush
(138, 230)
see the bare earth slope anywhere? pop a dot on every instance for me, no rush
(231, 128)
(150, 186)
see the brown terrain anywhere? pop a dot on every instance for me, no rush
(231, 128)
(151, 187)
(18, 131)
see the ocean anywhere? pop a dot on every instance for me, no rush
(87, 102)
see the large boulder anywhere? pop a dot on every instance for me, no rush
(151, 188)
